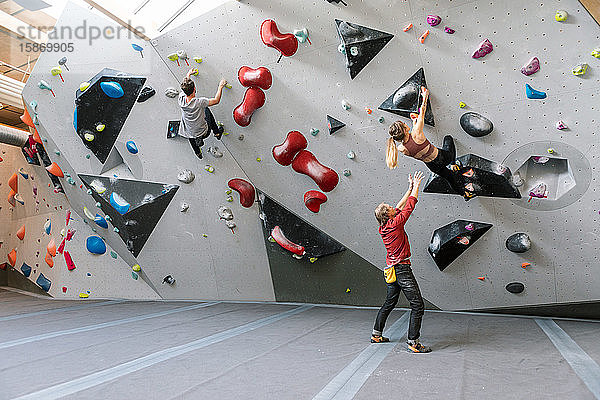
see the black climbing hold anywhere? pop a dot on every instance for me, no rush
(145, 94)
(168, 279)
(450, 241)
(147, 200)
(26, 269)
(316, 243)
(515, 287)
(407, 98)
(334, 125)
(518, 242)
(94, 105)
(479, 177)
(337, 2)
(43, 282)
(362, 44)
(475, 124)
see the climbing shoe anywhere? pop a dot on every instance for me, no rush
(379, 339)
(417, 347)
(220, 130)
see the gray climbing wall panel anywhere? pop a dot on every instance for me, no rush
(221, 265)
(314, 81)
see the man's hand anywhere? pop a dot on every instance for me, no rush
(223, 83)
(417, 178)
(190, 72)
(410, 181)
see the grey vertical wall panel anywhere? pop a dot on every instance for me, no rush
(313, 83)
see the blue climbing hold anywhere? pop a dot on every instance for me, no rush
(131, 147)
(137, 47)
(75, 119)
(534, 94)
(95, 245)
(100, 221)
(119, 203)
(26, 269)
(112, 89)
(43, 282)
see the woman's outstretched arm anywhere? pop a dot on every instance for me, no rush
(419, 122)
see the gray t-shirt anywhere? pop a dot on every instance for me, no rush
(193, 123)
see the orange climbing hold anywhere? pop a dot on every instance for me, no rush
(13, 183)
(424, 36)
(525, 265)
(36, 136)
(481, 278)
(49, 260)
(11, 198)
(21, 233)
(12, 257)
(55, 170)
(26, 118)
(51, 248)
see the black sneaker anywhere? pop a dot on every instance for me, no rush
(379, 339)
(417, 348)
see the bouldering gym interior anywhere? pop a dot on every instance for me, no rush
(299, 199)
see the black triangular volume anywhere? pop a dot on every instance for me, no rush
(93, 107)
(316, 243)
(367, 42)
(479, 177)
(450, 241)
(147, 203)
(334, 125)
(407, 98)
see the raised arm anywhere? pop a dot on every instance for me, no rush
(402, 201)
(217, 98)
(416, 183)
(419, 121)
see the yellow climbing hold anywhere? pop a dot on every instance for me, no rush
(88, 214)
(204, 235)
(84, 86)
(98, 187)
(100, 127)
(313, 259)
(89, 137)
(84, 295)
(136, 268)
(258, 159)
(198, 59)
(462, 105)
(348, 290)
(551, 151)
(173, 57)
(56, 71)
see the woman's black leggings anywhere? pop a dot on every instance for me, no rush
(446, 155)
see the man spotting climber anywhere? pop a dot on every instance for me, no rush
(197, 122)
(398, 273)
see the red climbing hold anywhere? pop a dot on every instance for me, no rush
(61, 247)
(260, 77)
(306, 163)
(254, 98)
(70, 234)
(68, 217)
(285, 152)
(55, 170)
(12, 257)
(69, 261)
(11, 198)
(13, 183)
(21, 233)
(313, 200)
(3, 266)
(286, 43)
(245, 189)
(49, 260)
(284, 242)
(64, 289)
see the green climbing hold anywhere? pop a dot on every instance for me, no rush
(347, 172)
(113, 255)
(116, 229)
(134, 275)
(87, 156)
(57, 152)
(314, 131)
(381, 120)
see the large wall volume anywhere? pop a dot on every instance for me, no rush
(209, 262)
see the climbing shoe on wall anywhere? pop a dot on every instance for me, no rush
(379, 339)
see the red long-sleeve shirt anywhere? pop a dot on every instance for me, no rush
(394, 237)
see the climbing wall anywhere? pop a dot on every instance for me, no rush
(314, 83)
(43, 217)
(205, 258)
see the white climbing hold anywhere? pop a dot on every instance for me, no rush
(171, 92)
(560, 125)
(184, 207)
(185, 176)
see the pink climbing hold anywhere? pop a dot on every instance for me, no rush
(68, 217)
(284, 242)
(434, 20)
(245, 189)
(285, 153)
(306, 163)
(61, 247)
(69, 261)
(313, 200)
(254, 98)
(449, 30)
(484, 49)
(260, 77)
(531, 67)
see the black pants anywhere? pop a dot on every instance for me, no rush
(446, 155)
(198, 142)
(405, 282)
